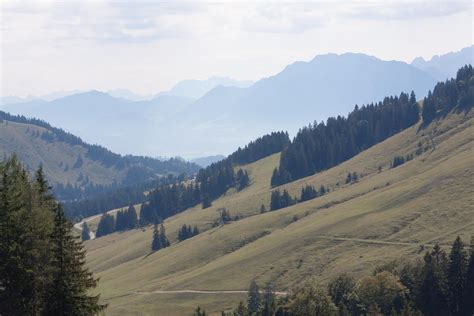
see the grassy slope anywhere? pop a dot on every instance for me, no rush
(20, 138)
(384, 216)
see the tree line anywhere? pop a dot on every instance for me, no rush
(283, 199)
(124, 220)
(187, 231)
(453, 94)
(324, 145)
(114, 196)
(210, 182)
(42, 263)
(260, 148)
(439, 285)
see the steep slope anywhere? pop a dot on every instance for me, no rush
(67, 160)
(445, 66)
(388, 214)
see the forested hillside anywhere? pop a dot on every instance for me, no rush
(396, 199)
(212, 181)
(321, 146)
(74, 168)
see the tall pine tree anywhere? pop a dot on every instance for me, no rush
(71, 280)
(456, 276)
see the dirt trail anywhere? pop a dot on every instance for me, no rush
(202, 292)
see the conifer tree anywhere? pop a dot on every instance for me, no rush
(132, 218)
(432, 298)
(254, 300)
(86, 233)
(469, 290)
(159, 238)
(241, 310)
(71, 280)
(106, 225)
(456, 276)
(206, 202)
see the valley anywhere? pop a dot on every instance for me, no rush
(387, 215)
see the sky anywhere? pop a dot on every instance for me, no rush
(148, 46)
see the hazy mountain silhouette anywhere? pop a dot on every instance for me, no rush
(445, 66)
(227, 117)
(197, 88)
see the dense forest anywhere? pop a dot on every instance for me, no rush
(324, 145)
(453, 94)
(112, 199)
(210, 182)
(441, 284)
(260, 148)
(42, 263)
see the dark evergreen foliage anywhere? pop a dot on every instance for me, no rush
(398, 161)
(432, 298)
(260, 148)
(210, 182)
(71, 281)
(106, 225)
(453, 94)
(169, 200)
(159, 238)
(308, 193)
(126, 219)
(206, 202)
(86, 233)
(199, 312)
(42, 264)
(280, 200)
(105, 198)
(224, 217)
(254, 299)
(469, 291)
(186, 232)
(321, 146)
(456, 276)
(242, 179)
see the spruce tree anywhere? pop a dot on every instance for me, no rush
(132, 218)
(456, 276)
(156, 242)
(241, 310)
(71, 281)
(432, 292)
(468, 308)
(254, 300)
(86, 233)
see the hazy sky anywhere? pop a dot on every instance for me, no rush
(148, 46)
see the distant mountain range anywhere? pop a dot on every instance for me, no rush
(445, 66)
(210, 117)
(195, 89)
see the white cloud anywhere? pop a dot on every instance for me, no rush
(147, 46)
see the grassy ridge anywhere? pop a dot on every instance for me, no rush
(385, 215)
